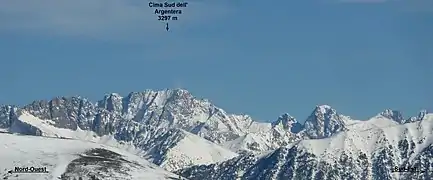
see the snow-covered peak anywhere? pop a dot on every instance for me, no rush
(288, 123)
(324, 109)
(113, 95)
(323, 122)
(176, 93)
(179, 91)
(393, 115)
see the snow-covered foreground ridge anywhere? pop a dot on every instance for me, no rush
(68, 159)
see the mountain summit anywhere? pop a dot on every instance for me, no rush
(323, 122)
(288, 123)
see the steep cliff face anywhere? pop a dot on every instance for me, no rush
(323, 122)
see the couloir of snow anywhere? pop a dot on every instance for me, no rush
(55, 154)
(367, 137)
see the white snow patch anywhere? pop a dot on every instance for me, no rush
(243, 143)
(194, 150)
(55, 154)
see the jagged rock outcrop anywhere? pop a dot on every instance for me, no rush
(323, 122)
(394, 115)
(398, 117)
(287, 123)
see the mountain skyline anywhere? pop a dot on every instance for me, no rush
(398, 116)
(357, 57)
(162, 127)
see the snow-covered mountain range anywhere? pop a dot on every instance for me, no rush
(195, 139)
(364, 150)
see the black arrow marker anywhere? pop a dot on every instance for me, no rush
(166, 27)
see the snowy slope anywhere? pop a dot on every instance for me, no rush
(57, 154)
(46, 129)
(366, 150)
(194, 150)
(369, 136)
(249, 141)
(176, 149)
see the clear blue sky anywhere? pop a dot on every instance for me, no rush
(254, 57)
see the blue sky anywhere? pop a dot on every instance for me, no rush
(252, 57)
